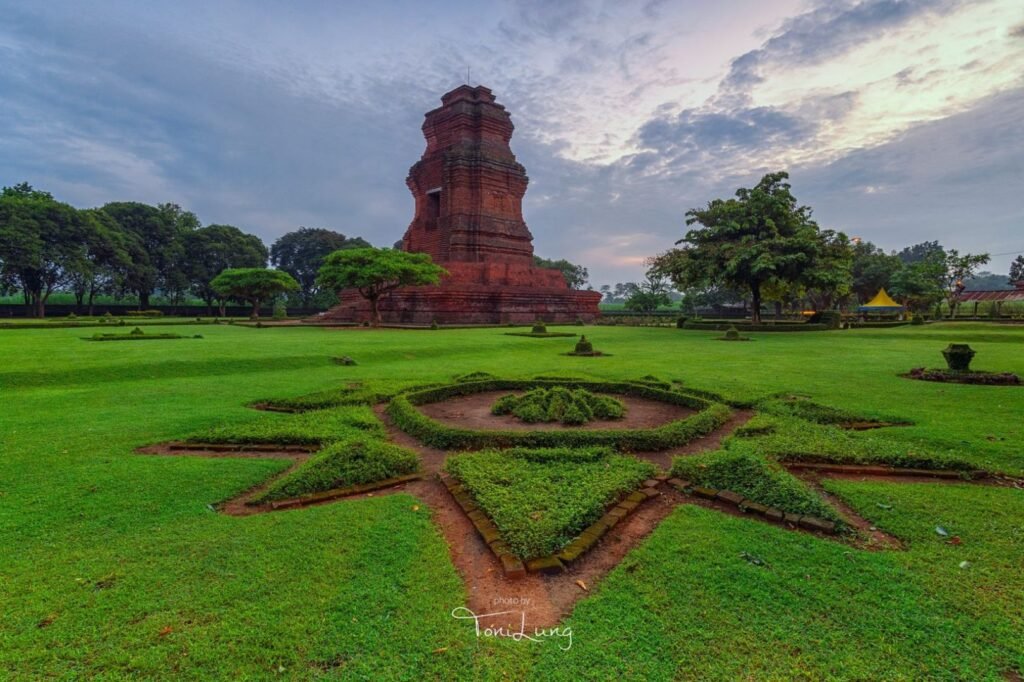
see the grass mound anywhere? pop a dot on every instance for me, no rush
(540, 499)
(343, 464)
(307, 428)
(792, 439)
(560, 404)
(755, 478)
(804, 408)
(352, 393)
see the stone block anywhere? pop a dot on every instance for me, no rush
(548, 565)
(791, 518)
(754, 507)
(730, 497)
(816, 524)
(513, 566)
(650, 492)
(774, 514)
(651, 483)
(707, 493)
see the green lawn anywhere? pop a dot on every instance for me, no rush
(115, 566)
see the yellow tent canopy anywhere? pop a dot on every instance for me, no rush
(881, 301)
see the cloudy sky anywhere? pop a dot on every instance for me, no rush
(899, 120)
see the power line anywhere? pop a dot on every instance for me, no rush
(1008, 253)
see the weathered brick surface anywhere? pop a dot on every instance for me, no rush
(729, 496)
(814, 523)
(468, 188)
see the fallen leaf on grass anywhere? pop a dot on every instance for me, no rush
(46, 622)
(883, 506)
(965, 564)
(165, 631)
(955, 540)
(583, 585)
(942, 532)
(415, 507)
(756, 560)
(441, 650)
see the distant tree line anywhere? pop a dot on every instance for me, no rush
(131, 249)
(762, 247)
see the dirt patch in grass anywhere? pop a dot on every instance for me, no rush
(712, 441)
(474, 412)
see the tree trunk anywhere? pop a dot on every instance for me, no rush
(143, 300)
(223, 308)
(255, 309)
(778, 310)
(209, 307)
(374, 311)
(755, 303)
(92, 295)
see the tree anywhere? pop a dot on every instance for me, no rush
(919, 284)
(107, 257)
(606, 292)
(650, 294)
(212, 249)
(1017, 270)
(576, 276)
(302, 252)
(987, 281)
(919, 252)
(375, 272)
(829, 279)
(42, 241)
(746, 242)
(957, 269)
(155, 255)
(872, 270)
(254, 285)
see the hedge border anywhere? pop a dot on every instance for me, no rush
(791, 327)
(402, 410)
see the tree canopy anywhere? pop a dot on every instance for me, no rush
(254, 285)
(301, 253)
(761, 235)
(375, 272)
(1017, 270)
(212, 249)
(576, 276)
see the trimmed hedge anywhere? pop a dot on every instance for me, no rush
(755, 479)
(403, 411)
(746, 327)
(559, 404)
(540, 500)
(803, 408)
(355, 393)
(343, 464)
(307, 428)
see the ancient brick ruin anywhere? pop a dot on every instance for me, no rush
(469, 189)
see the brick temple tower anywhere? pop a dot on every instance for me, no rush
(468, 188)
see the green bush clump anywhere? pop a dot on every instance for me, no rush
(343, 464)
(754, 478)
(917, 320)
(474, 376)
(539, 327)
(306, 428)
(402, 410)
(541, 500)
(763, 327)
(560, 404)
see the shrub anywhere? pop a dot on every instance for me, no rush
(830, 319)
(280, 311)
(753, 477)
(804, 408)
(748, 327)
(539, 328)
(343, 464)
(579, 322)
(583, 346)
(433, 324)
(474, 376)
(137, 332)
(559, 404)
(540, 500)
(680, 322)
(917, 320)
(732, 334)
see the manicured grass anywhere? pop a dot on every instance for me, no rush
(304, 428)
(117, 568)
(541, 499)
(342, 464)
(754, 477)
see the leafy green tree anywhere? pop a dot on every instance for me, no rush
(302, 252)
(987, 281)
(1017, 270)
(872, 270)
(919, 285)
(746, 242)
(155, 251)
(958, 269)
(213, 249)
(254, 285)
(919, 252)
(107, 257)
(375, 272)
(650, 294)
(829, 279)
(42, 241)
(576, 276)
